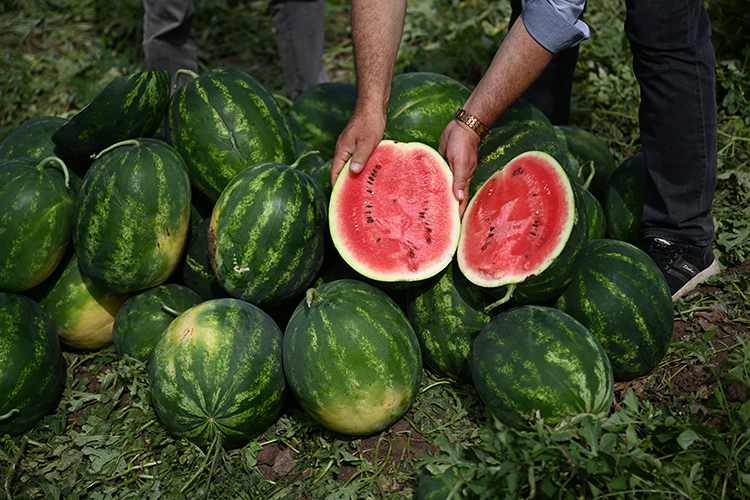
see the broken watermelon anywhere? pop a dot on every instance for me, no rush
(397, 220)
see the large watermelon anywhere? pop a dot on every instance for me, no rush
(538, 358)
(31, 364)
(217, 371)
(142, 319)
(621, 296)
(525, 227)
(622, 200)
(397, 220)
(447, 314)
(82, 312)
(320, 113)
(36, 203)
(223, 122)
(421, 105)
(351, 358)
(129, 107)
(266, 237)
(132, 215)
(523, 113)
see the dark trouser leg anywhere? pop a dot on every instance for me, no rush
(168, 35)
(551, 91)
(300, 35)
(674, 63)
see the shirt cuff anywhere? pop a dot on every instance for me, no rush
(555, 24)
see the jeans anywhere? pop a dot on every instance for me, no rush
(169, 39)
(674, 63)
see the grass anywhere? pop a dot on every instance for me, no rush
(104, 440)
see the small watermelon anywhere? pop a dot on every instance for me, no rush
(32, 368)
(197, 274)
(588, 153)
(351, 358)
(421, 104)
(397, 220)
(538, 358)
(524, 114)
(623, 199)
(620, 295)
(31, 139)
(142, 319)
(217, 372)
(594, 215)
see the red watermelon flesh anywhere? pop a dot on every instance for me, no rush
(517, 223)
(398, 219)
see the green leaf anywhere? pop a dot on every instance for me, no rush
(686, 438)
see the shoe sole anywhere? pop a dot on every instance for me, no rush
(699, 278)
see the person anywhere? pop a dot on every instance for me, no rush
(673, 61)
(169, 39)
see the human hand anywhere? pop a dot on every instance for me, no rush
(356, 142)
(459, 145)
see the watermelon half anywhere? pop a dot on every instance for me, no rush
(523, 222)
(398, 219)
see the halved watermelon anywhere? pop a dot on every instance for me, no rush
(525, 220)
(398, 219)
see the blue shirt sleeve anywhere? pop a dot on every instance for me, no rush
(555, 24)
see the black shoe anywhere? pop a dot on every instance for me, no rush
(684, 266)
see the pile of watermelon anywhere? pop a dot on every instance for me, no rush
(197, 231)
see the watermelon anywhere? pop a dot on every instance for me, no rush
(398, 219)
(587, 152)
(447, 314)
(32, 368)
(620, 295)
(216, 373)
(594, 215)
(535, 358)
(421, 104)
(37, 204)
(132, 216)
(197, 274)
(319, 115)
(82, 312)
(223, 122)
(351, 358)
(623, 199)
(267, 234)
(505, 143)
(142, 319)
(525, 114)
(525, 227)
(129, 107)
(32, 139)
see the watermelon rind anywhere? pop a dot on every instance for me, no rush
(523, 113)
(32, 367)
(351, 358)
(197, 273)
(620, 295)
(622, 200)
(536, 358)
(397, 220)
(216, 373)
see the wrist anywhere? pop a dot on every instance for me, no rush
(473, 123)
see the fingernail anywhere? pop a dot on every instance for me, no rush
(355, 167)
(460, 194)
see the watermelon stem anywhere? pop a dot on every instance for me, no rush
(171, 311)
(508, 295)
(302, 157)
(59, 162)
(129, 142)
(9, 414)
(215, 445)
(181, 72)
(591, 175)
(282, 99)
(312, 296)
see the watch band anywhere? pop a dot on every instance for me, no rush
(473, 123)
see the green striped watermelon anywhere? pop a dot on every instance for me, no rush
(522, 113)
(397, 220)
(267, 234)
(142, 319)
(447, 314)
(594, 215)
(535, 358)
(505, 143)
(223, 122)
(622, 297)
(587, 151)
(197, 274)
(132, 215)
(421, 105)
(129, 107)
(31, 364)
(82, 312)
(351, 358)
(216, 373)
(526, 227)
(32, 139)
(37, 203)
(623, 198)
(319, 115)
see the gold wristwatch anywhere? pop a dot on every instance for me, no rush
(473, 123)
